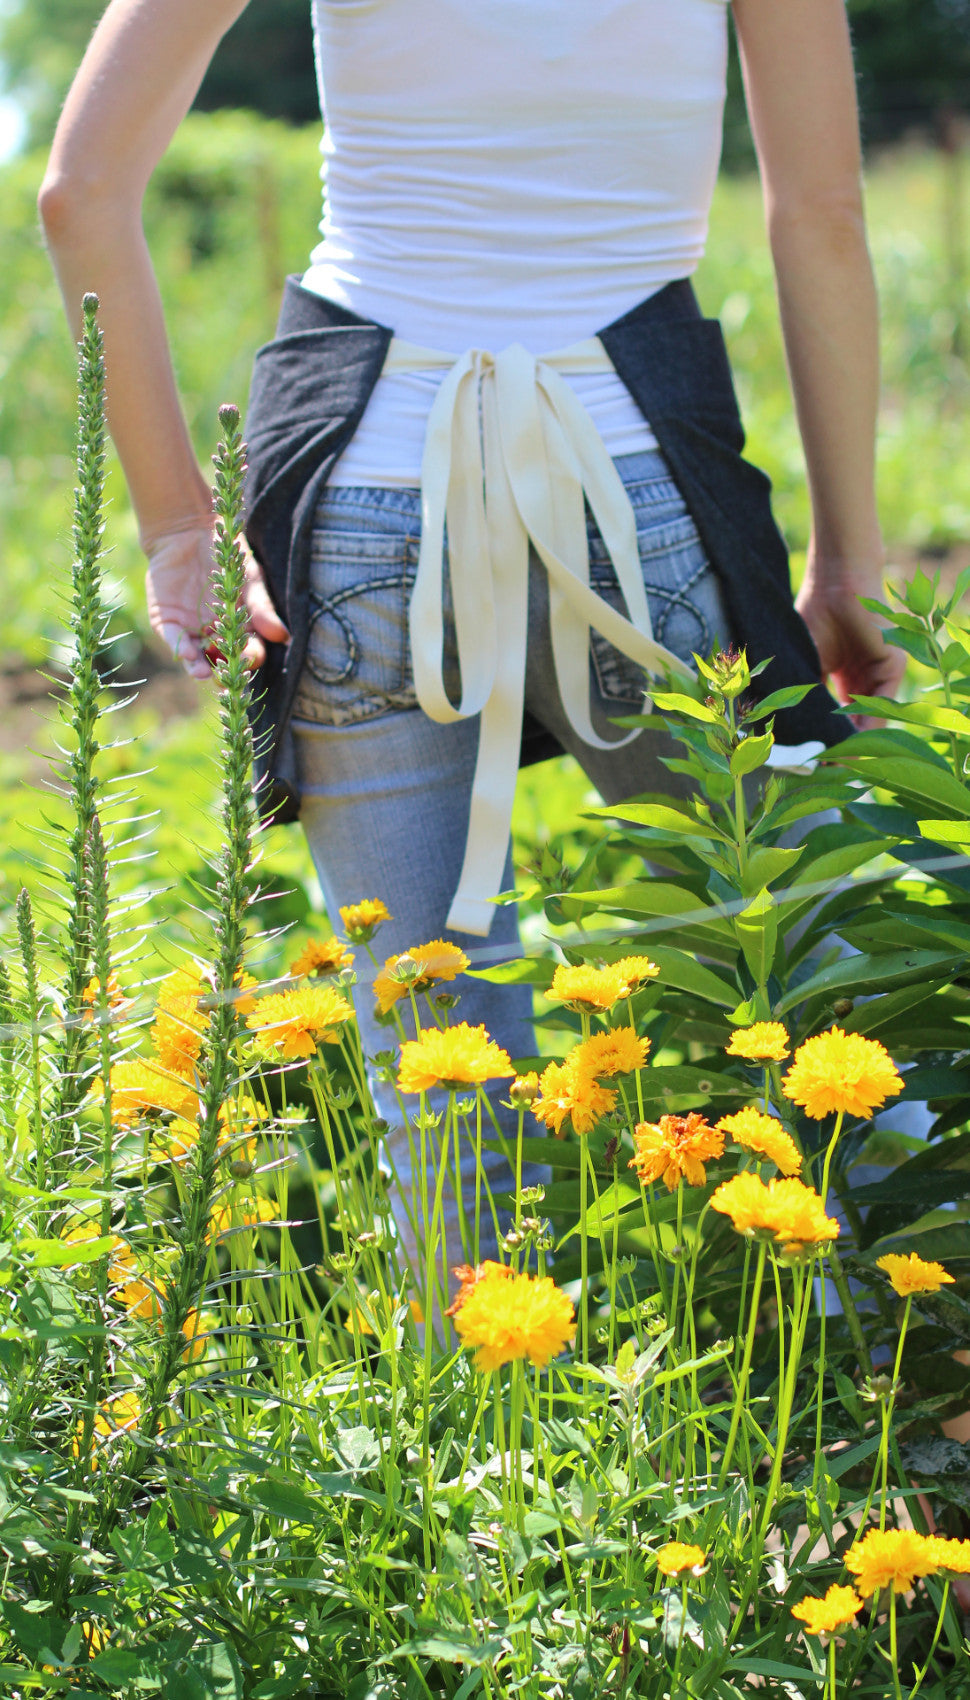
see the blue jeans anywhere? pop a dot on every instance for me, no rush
(386, 790)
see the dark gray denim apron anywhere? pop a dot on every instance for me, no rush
(310, 387)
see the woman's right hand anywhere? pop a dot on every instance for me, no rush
(179, 590)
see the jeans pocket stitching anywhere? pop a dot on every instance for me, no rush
(333, 608)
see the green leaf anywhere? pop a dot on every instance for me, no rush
(524, 971)
(751, 754)
(284, 1499)
(785, 698)
(679, 969)
(757, 929)
(880, 1013)
(662, 817)
(58, 1254)
(865, 974)
(916, 713)
(766, 865)
(672, 702)
(951, 832)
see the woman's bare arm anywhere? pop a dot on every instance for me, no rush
(137, 81)
(797, 64)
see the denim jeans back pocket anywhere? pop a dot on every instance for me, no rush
(357, 664)
(683, 592)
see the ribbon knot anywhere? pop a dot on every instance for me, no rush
(510, 459)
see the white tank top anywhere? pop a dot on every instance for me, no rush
(501, 171)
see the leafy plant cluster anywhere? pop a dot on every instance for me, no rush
(234, 1463)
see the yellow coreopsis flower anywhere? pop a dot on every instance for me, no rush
(232, 1215)
(839, 1608)
(792, 1213)
(754, 1131)
(458, 1056)
(766, 1041)
(678, 1556)
(434, 964)
(117, 1415)
(115, 996)
(566, 1090)
(361, 920)
(508, 1317)
(320, 957)
(469, 1276)
(586, 988)
(891, 1558)
(952, 1555)
(675, 1149)
(140, 1300)
(603, 1055)
(841, 1071)
(295, 1023)
(913, 1274)
(636, 970)
(181, 1018)
(141, 1087)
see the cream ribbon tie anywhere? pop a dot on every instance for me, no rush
(509, 456)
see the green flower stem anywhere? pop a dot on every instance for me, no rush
(941, 1614)
(832, 1690)
(893, 1647)
(28, 952)
(745, 1365)
(847, 1302)
(888, 1406)
(829, 1154)
(820, 1382)
(498, 1409)
(583, 1336)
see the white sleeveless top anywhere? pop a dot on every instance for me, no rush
(510, 171)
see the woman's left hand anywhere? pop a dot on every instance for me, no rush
(179, 591)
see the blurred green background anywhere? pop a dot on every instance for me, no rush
(234, 207)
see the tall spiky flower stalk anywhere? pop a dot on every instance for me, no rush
(88, 623)
(28, 952)
(8, 1058)
(218, 1065)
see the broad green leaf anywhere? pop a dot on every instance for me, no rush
(662, 817)
(785, 698)
(766, 865)
(679, 969)
(951, 832)
(920, 779)
(865, 974)
(757, 929)
(873, 1017)
(916, 713)
(524, 971)
(751, 754)
(284, 1499)
(60, 1254)
(672, 702)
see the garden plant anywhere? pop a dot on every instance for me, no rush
(671, 1422)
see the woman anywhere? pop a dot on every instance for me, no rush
(505, 178)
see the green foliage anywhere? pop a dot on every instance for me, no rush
(230, 1469)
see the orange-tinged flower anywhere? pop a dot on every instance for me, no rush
(181, 1018)
(458, 1056)
(115, 996)
(891, 1558)
(295, 1022)
(433, 963)
(617, 1051)
(952, 1555)
(678, 1556)
(141, 1087)
(766, 1041)
(839, 1608)
(586, 988)
(757, 1132)
(841, 1071)
(361, 920)
(675, 1149)
(469, 1276)
(568, 1091)
(913, 1274)
(506, 1317)
(320, 957)
(792, 1213)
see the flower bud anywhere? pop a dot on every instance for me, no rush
(524, 1090)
